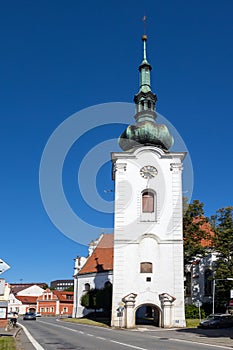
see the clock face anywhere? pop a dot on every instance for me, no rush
(148, 171)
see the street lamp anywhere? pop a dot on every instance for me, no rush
(214, 287)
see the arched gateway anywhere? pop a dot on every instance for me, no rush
(148, 314)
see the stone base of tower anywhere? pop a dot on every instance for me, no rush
(124, 316)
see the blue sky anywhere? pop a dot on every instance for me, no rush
(59, 57)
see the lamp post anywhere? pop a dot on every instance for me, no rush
(214, 287)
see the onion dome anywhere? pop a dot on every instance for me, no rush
(145, 131)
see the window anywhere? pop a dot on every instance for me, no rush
(41, 309)
(148, 202)
(148, 279)
(87, 287)
(148, 205)
(146, 267)
(187, 284)
(208, 276)
(107, 284)
(65, 309)
(52, 309)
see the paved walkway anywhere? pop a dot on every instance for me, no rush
(22, 341)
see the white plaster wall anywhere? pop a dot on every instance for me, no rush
(96, 280)
(159, 241)
(32, 291)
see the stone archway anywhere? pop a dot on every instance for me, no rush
(148, 314)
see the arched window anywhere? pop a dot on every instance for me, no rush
(87, 287)
(107, 284)
(148, 205)
(146, 267)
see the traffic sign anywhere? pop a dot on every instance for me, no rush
(3, 266)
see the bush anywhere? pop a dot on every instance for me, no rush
(191, 311)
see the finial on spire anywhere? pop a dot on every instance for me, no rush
(144, 38)
(144, 21)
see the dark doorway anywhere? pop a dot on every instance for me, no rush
(148, 315)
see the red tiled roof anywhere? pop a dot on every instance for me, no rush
(102, 257)
(26, 299)
(62, 296)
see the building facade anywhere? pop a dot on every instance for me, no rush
(55, 303)
(62, 284)
(148, 236)
(95, 271)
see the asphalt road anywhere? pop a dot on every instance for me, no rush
(52, 334)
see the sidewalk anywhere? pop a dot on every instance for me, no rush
(21, 340)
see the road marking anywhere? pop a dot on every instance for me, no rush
(36, 345)
(195, 342)
(199, 343)
(91, 335)
(128, 345)
(101, 338)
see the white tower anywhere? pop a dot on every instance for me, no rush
(148, 237)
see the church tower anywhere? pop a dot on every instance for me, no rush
(148, 237)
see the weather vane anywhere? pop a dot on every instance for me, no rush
(144, 22)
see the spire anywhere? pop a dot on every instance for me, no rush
(145, 131)
(145, 69)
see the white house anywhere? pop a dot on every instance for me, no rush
(25, 299)
(93, 272)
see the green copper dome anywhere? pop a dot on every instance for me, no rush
(145, 131)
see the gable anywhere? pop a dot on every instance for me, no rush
(31, 291)
(101, 259)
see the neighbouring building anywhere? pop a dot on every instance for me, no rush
(55, 303)
(95, 271)
(4, 297)
(18, 287)
(61, 284)
(23, 297)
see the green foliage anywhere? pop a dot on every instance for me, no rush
(98, 298)
(193, 233)
(222, 225)
(191, 312)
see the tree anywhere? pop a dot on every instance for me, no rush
(222, 225)
(195, 233)
(98, 298)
